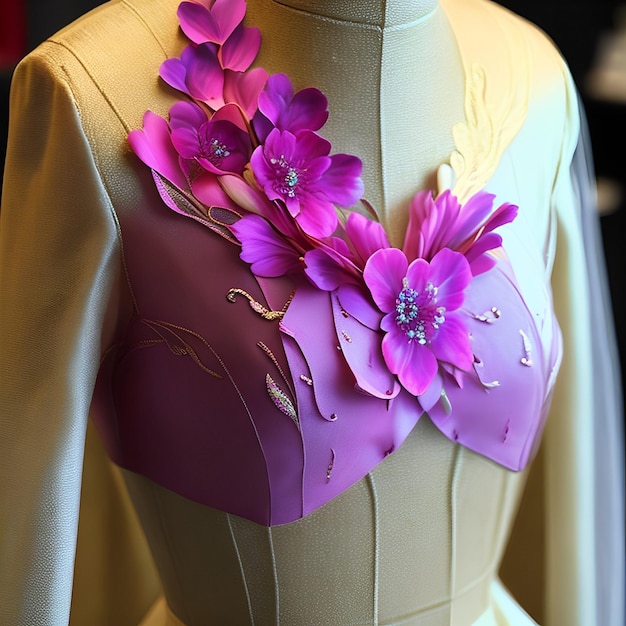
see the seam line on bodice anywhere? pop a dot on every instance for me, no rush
(270, 537)
(169, 542)
(454, 484)
(376, 564)
(244, 580)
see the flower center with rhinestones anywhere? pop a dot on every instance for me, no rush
(215, 151)
(417, 314)
(287, 177)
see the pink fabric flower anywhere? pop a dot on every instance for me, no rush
(218, 144)
(422, 323)
(267, 251)
(213, 20)
(197, 73)
(153, 145)
(297, 170)
(442, 222)
(281, 108)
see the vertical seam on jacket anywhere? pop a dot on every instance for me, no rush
(241, 568)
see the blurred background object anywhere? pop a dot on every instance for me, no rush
(24, 24)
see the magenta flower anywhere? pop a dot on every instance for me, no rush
(442, 222)
(280, 108)
(213, 20)
(297, 170)
(423, 325)
(339, 262)
(240, 49)
(243, 89)
(197, 73)
(153, 145)
(220, 144)
(269, 253)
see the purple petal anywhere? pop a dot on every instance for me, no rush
(154, 147)
(431, 396)
(504, 214)
(187, 114)
(268, 253)
(383, 276)
(308, 110)
(215, 24)
(414, 364)
(342, 180)
(356, 302)
(452, 344)
(322, 270)
(473, 214)
(477, 256)
(205, 77)
(309, 146)
(451, 273)
(316, 217)
(366, 235)
(275, 98)
(185, 120)
(174, 72)
(421, 206)
(240, 49)
(482, 264)
(243, 88)
(418, 275)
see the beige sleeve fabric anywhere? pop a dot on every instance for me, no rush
(59, 260)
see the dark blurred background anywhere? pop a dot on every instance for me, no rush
(23, 25)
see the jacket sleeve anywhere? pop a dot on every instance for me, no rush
(59, 260)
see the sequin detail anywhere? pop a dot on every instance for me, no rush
(281, 399)
(257, 307)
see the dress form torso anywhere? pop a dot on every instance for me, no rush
(421, 536)
(430, 497)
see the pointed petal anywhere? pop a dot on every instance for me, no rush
(261, 246)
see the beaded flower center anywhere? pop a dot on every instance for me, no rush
(287, 177)
(215, 151)
(417, 314)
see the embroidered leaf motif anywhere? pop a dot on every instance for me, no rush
(281, 399)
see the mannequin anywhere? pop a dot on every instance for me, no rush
(391, 548)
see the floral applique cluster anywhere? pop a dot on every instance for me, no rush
(249, 144)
